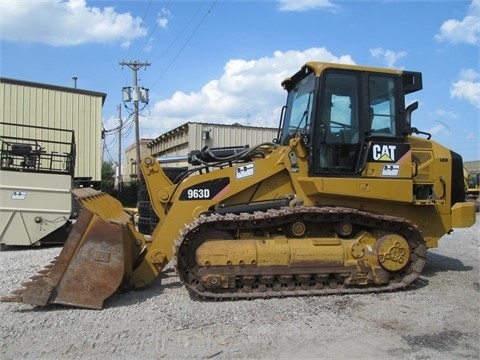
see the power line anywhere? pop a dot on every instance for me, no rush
(128, 121)
(138, 30)
(129, 130)
(181, 32)
(185, 44)
(105, 150)
(149, 37)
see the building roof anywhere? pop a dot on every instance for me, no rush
(472, 165)
(54, 87)
(143, 142)
(184, 127)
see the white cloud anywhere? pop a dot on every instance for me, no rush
(162, 19)
(466, 30)
(110, 123)
(66, 23)
(443, 120)
(304, 5)
(444, 114)
(390, 57)
(437, 129)
(467, 87)
(148, 45)
(251, 86)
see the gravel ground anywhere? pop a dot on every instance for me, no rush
(438, 318)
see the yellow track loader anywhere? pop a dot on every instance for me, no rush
(347, 199)
(472, 187)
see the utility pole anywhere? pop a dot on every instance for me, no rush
(136, 97)
(119, 108)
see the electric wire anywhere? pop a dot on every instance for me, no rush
(138, 30)
(185, 27)
(150, 35)
(128, 122)
(127, 126)
(107, 152)
(184, 45)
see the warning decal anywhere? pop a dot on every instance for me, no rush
(19, 195)
(390, 170)
(244, 171)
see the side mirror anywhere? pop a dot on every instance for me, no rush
(408, 114)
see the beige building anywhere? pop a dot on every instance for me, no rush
(130, 168)
(29, 103)
(190, 136)
(194, 136)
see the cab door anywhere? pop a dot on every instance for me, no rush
(356, 111)
(339, 132)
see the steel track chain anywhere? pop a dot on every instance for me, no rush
(281, 216)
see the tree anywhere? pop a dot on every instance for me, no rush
(108, 177)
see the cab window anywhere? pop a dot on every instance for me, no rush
(338, 130)
(382, 106)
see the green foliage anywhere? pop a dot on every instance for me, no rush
(108, 177)
(129, 191)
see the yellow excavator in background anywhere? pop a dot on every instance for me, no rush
(472, 187)
(347, 199)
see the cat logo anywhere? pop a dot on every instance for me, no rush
(388, 152)
(384, 152)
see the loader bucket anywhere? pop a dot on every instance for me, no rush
(95, 261)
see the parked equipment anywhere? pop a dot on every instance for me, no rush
(36, 173)
(473, 188)
(347, 199)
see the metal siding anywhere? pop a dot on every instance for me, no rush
(31, 105)
(175, 143)
(188, 137)
(194, 136)
(239, 136)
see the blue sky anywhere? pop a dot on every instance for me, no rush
(223, 61)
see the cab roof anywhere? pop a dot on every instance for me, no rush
(412, 79)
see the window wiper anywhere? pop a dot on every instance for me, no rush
(304, 116)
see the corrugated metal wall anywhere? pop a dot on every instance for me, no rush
(227, 135)
(194, 136)
(58, 107)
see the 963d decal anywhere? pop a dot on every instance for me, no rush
(206, 190)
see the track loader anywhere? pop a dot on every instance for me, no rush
(347, 199)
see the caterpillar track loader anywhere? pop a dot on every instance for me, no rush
(347, 199)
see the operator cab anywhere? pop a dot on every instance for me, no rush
(338, 111)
